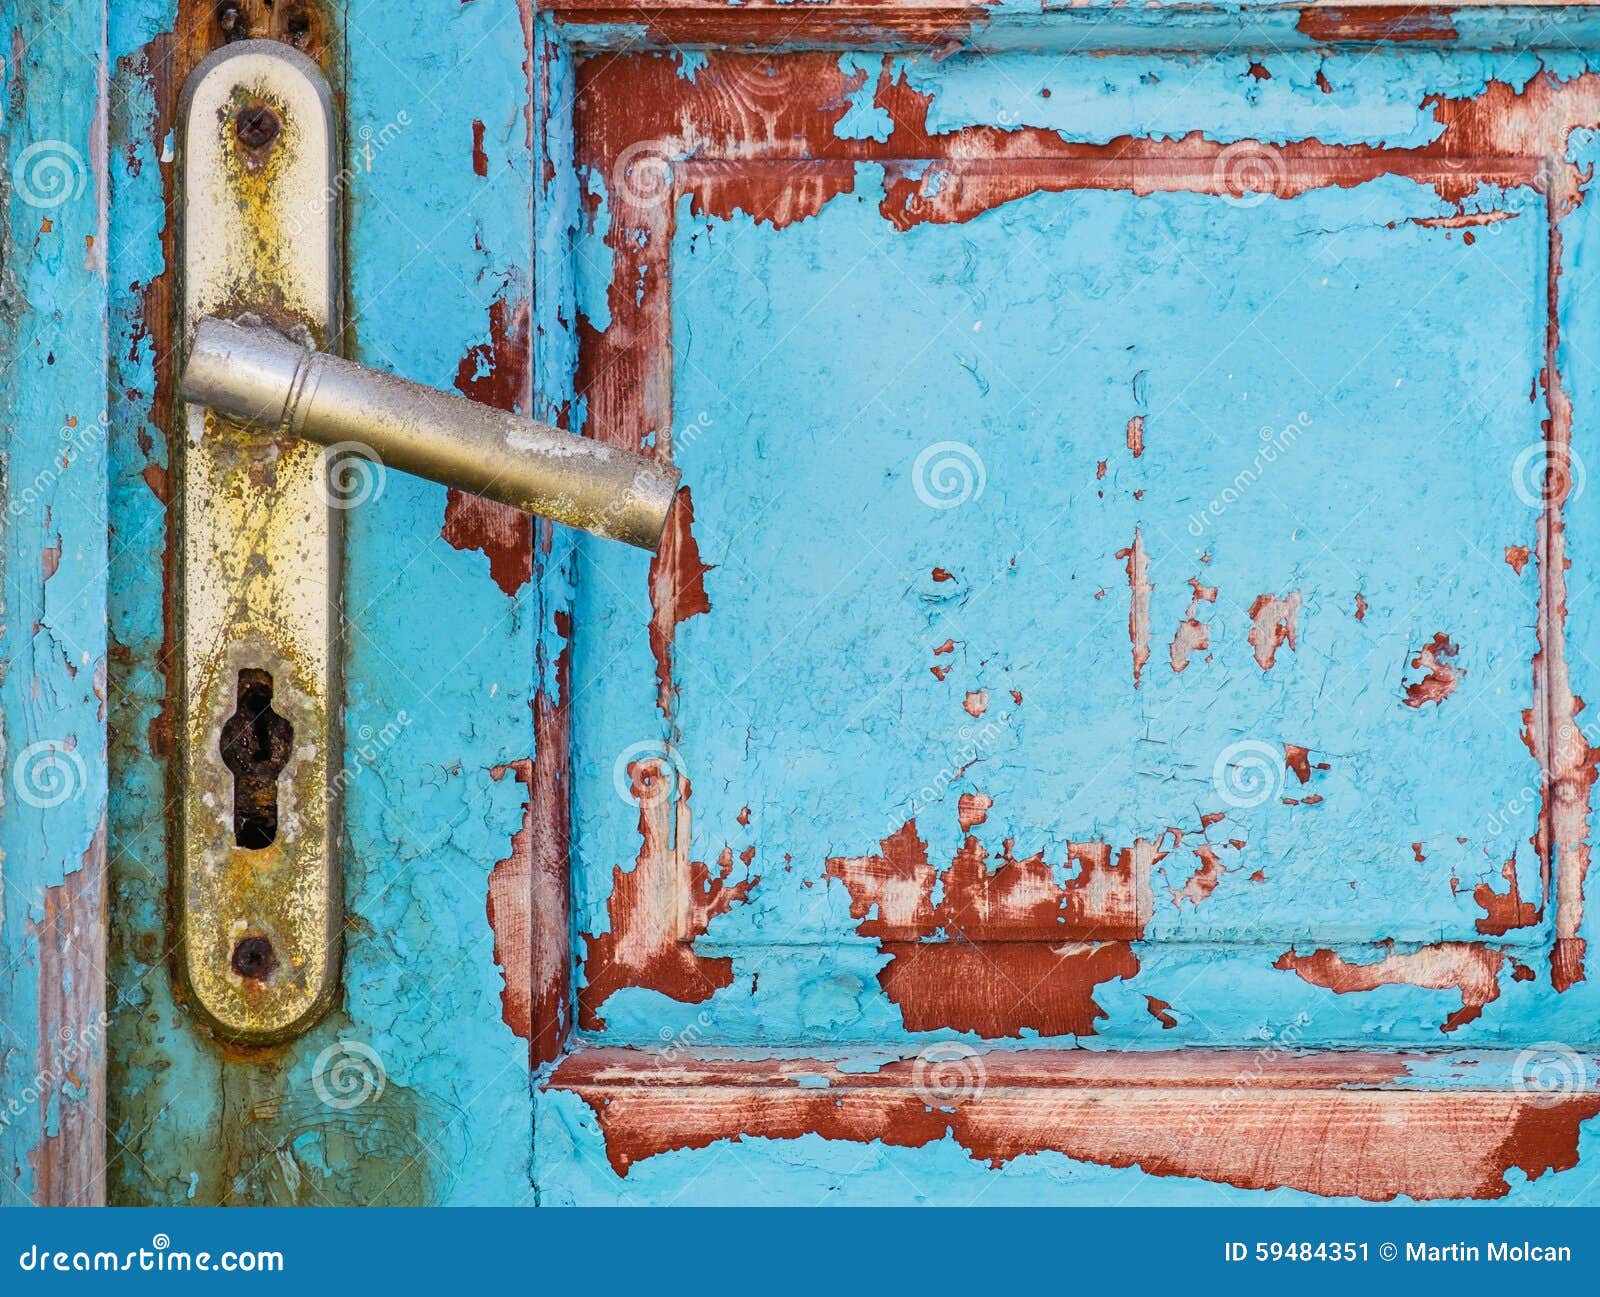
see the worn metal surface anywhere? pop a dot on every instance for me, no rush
(259, 874)
(255, 374)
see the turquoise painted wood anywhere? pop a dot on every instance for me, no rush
(1130, 599)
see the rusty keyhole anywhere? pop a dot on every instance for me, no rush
(255, 747)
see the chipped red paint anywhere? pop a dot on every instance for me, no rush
(1377, 23)
(510, 914)
(495, 372)
(976, 703)
(1503, 911)
(972, 809)
(660, 906)
(1160, 1010)
(1273, 623)
(1139, 588)
(1136, 435)
(1517, 557)
(1193, 636)
(1472, 970)
(1017, 949)
(677, 590)
(1436, 659)
(785, 108)
(1203, 881)
(480, 160)
(1342, 1125)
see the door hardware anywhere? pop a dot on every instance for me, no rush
(255, 375)
(257, 881)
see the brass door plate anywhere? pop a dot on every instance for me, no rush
(257, 880)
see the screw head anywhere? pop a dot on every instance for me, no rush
(255, 958)
(256, 126)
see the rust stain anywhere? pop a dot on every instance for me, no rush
(677, 590)
(1471, 970)
(1273, 623)
(157, 479)
(1341, 1127)
(1503, 911)
(664, 893)
(1361, 607)
(1193, 636)
(1517, 557)
(1437, 660)
(1139, 588)
(1377, 23)
(549, 824)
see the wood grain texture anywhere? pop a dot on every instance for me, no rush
(1334, 1125)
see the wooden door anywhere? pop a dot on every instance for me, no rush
(1106, 722)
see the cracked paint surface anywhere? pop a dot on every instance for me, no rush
(1216, 562)
(1283, 531)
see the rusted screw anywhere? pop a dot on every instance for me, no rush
(254, 958)
(256, 126)
(232, 21)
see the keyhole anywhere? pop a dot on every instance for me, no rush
(255, 747)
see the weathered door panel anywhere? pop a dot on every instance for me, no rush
(1120, 598)
(1080, 551)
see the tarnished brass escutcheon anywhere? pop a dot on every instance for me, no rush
(257, 882)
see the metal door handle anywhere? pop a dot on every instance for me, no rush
(254, 375)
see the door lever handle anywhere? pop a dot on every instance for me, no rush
(254, 375)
